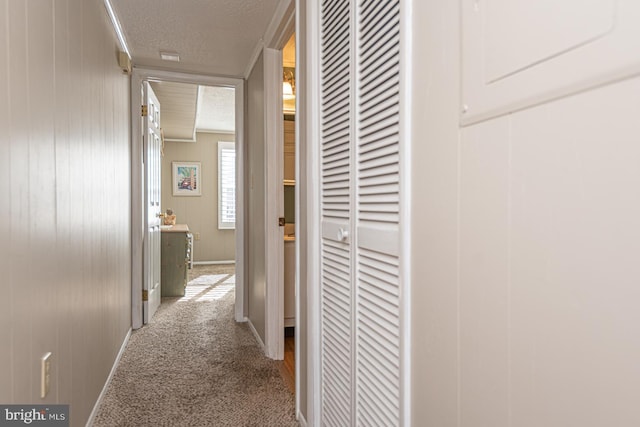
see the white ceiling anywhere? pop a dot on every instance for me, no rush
(216, 37)
(216, 109)
(178, 107)
(187, 108)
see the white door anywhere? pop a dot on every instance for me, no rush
(361, 291)
(151, 251)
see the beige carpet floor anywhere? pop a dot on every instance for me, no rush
(193, 365)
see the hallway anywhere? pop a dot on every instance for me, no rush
(195, 366)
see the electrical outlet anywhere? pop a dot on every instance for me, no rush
(45, 375)
(196, 236)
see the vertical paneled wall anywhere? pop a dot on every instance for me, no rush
(64, 194)
(526, 239)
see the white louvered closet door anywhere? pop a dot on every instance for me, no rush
(361, 288)
(337, 290)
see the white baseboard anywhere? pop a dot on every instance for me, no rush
(213, 262)
(301, 420)
(257, 335)
(109, 378)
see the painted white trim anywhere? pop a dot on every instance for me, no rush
(115, 22)
(301, 420)
(116, 362)
(178, 140)
(225, 132)
(282, 18)
(241, 297)
(255, 333)
(406, 78)
(257, 50)
(281, 26)
(214, 262)
(280, 29)
(274, 310)
(137, 179)
(313, 238)
(299, 70)
(137, 202)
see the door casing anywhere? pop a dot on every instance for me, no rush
(137, 181)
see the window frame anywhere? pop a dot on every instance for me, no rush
(225, 145)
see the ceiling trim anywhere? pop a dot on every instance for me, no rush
(278, 31)
(225, 132)
(254, 58)
(179, 140)
(195, 139)
(117, 27)
(273, 36)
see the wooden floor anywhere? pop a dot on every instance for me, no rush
(288, 365)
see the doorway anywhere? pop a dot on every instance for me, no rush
(289, 208)
(171, 79)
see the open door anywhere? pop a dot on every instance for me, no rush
(151, 249)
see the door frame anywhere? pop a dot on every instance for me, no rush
(274, 163)
(137, 181)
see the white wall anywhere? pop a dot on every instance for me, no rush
(64, 187)
(256, 193)
(199, 213)
(526, 242)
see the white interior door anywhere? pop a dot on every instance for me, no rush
(151, 251)
(361, 349)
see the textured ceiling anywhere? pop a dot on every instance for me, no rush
(211, 36)
(216, 109)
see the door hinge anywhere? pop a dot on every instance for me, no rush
(145, 295)
(144, 111)
(281, 221)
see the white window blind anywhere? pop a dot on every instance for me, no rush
(226, 185)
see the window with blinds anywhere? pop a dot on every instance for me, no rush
(226, 185)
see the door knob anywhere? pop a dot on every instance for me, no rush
(160, 215)
(342, 234)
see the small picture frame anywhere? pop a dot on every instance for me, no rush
(187, 179)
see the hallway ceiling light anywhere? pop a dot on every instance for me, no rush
(170, 56)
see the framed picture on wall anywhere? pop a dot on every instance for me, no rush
(186, 178)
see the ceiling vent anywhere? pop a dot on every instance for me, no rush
(170, 56)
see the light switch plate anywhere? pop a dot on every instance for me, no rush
(45, 375)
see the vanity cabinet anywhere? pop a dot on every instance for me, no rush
(175, 260)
